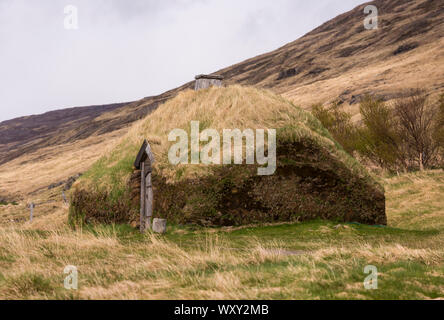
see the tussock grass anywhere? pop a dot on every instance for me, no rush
(116, 262)
(416, 200)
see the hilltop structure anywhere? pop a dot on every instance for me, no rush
(205, 81)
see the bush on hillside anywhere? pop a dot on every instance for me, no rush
(415, 117)
(379, 138)
(339, 124)
(405, 136)
(438, 129)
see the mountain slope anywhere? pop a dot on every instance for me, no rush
(343, 59)
(340, 59)
(28, 134)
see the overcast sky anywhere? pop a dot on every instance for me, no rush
(126, 50)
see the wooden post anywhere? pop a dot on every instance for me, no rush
(144, 161)
(149, 199)
(142, 199)
(146, 197)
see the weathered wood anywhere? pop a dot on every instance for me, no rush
(144, 153)
(149, 201)
(142, 198)
(209, 76)
(206, 81)
(141, 156)
(150, 154)
(144, 161)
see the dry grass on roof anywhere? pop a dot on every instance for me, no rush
(233, 107)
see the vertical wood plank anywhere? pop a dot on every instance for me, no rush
(149, 201)
(142, 199)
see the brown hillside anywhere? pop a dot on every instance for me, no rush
(341, 59)
(338, 59)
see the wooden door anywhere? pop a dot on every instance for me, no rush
(142, 197)
(146, 197)
(148, 200)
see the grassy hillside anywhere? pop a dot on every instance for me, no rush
(339, 60)
(309, 260)
(315, 177)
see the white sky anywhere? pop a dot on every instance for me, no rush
(125, 50)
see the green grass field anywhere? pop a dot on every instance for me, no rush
(312, 260)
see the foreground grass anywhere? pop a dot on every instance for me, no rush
(314, 260)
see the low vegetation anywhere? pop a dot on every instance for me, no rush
(5, 203)
(302, 258)
(310, 260)
(406, 135)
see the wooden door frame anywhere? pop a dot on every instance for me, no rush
(144, 161)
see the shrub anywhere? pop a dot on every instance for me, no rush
(408, 135)
(379, 139)
(415, 117)
(438, 133)
(339, 124)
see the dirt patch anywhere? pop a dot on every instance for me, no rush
(405, 48)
